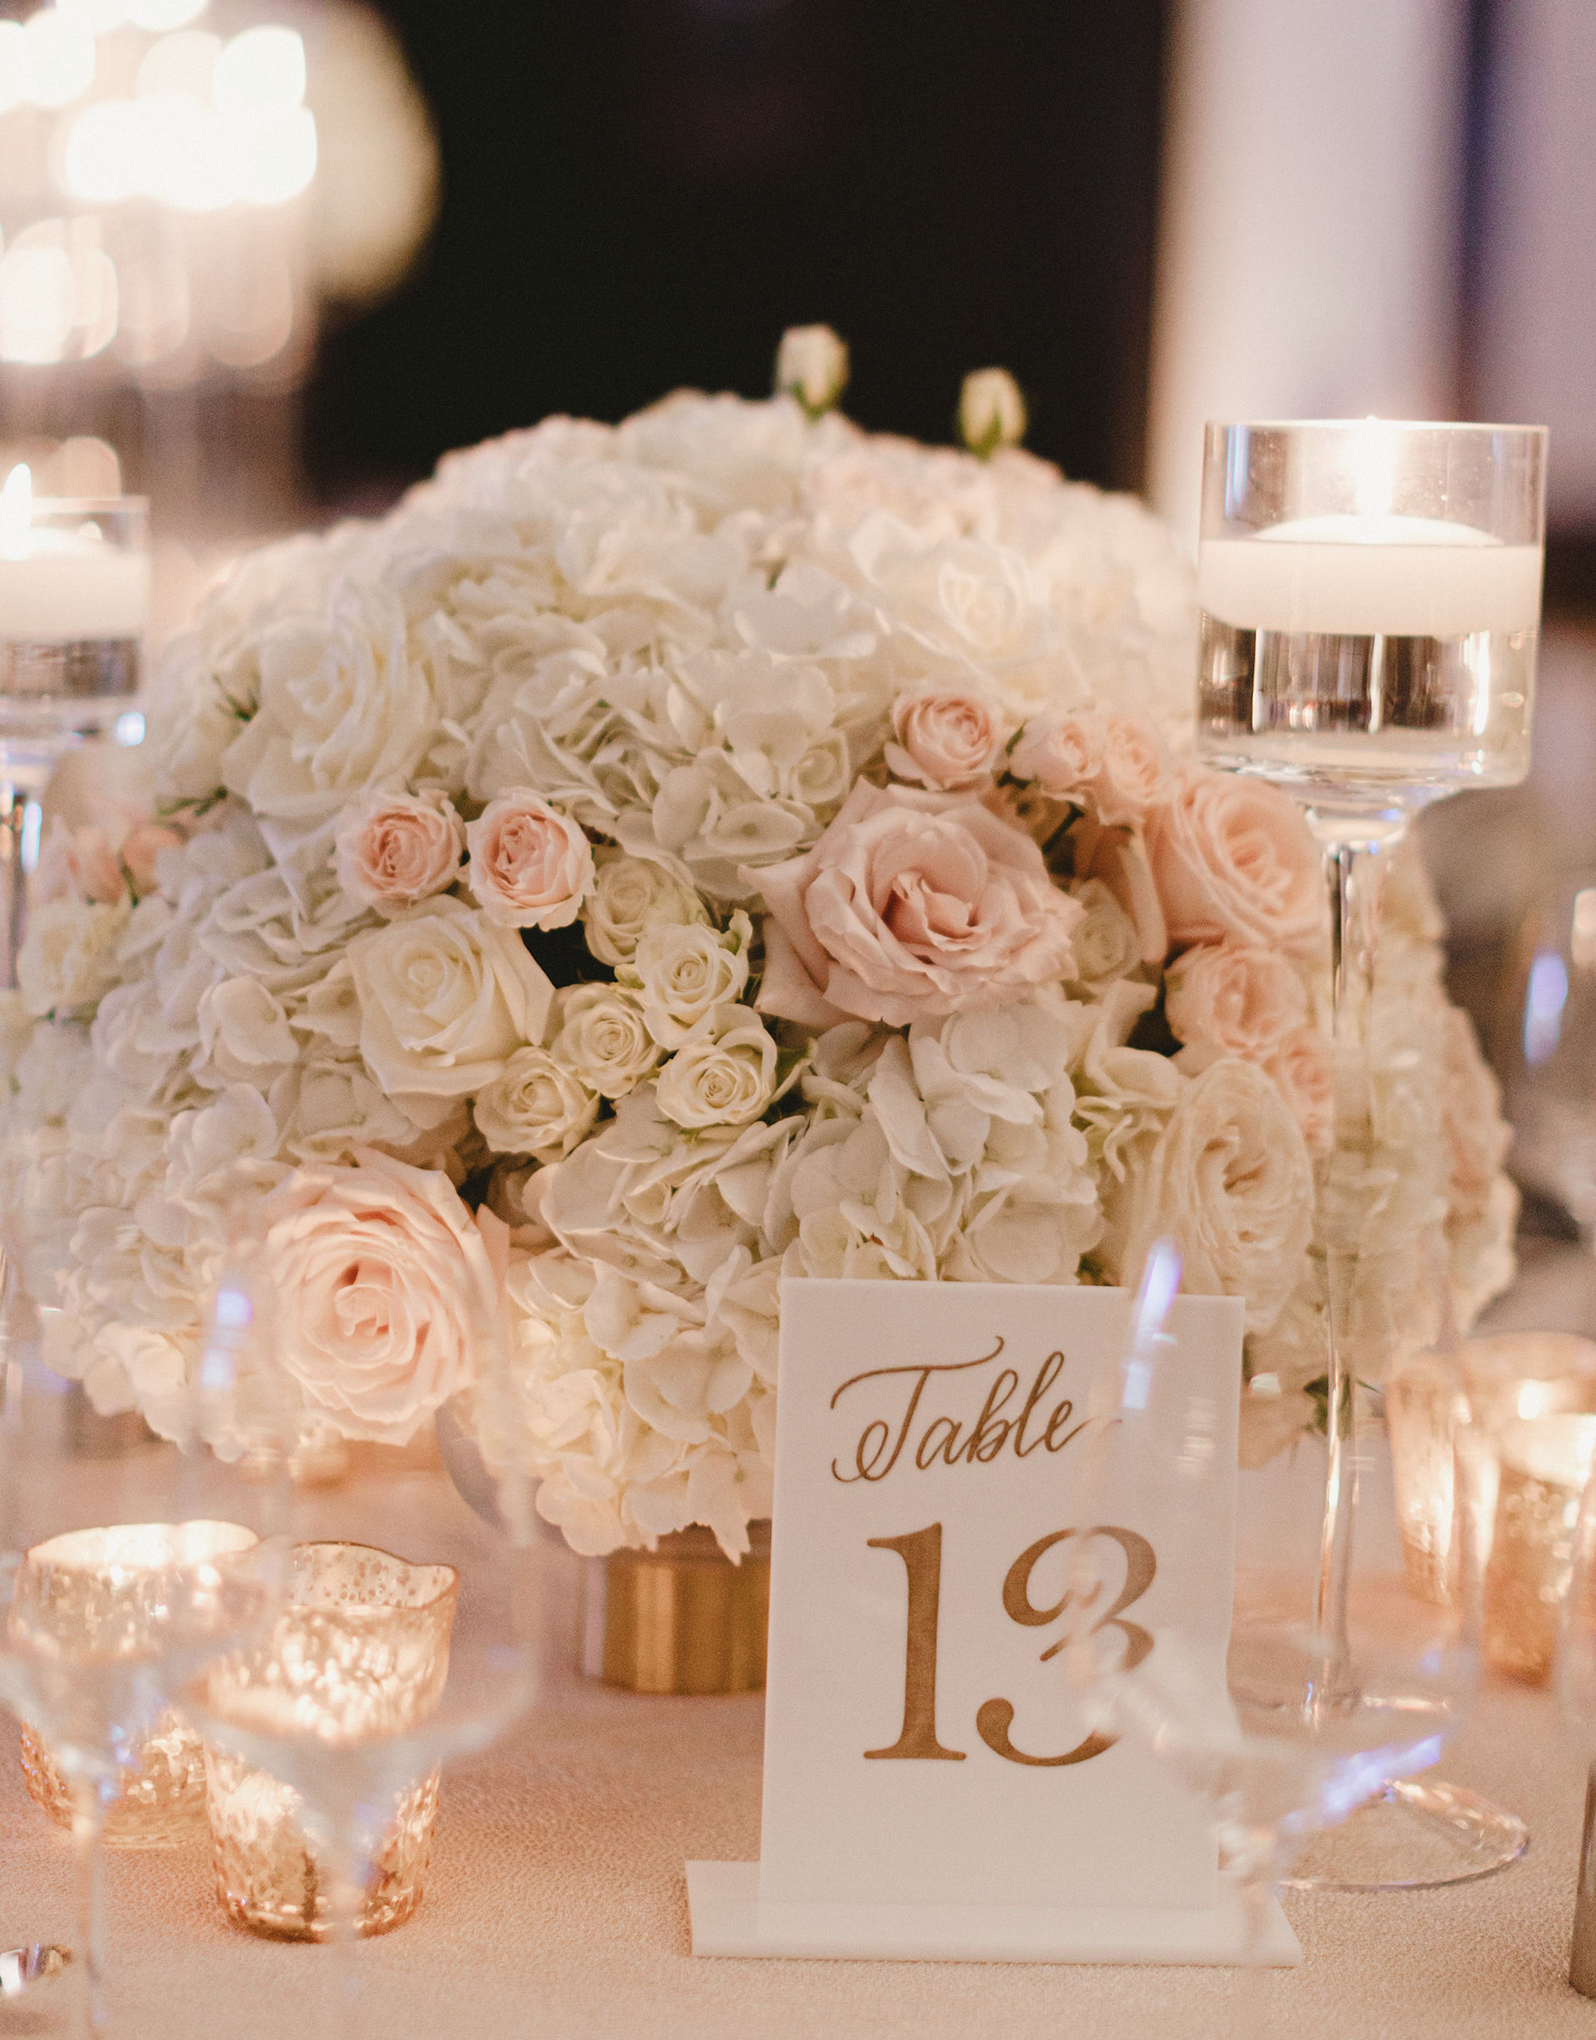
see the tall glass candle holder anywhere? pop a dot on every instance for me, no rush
(74, 603)
(1370, 597)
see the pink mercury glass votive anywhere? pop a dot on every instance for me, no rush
(361, 1651)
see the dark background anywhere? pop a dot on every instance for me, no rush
(643, 193)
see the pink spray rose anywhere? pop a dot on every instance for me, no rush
(1304, 1069)
(912, 904)
(1233, 857)
(395, 849)
(1244, 1000)
(141, 850)
(77, 864)
(531, 866)
(1116, 763)
(948, 741)
(386, 1287)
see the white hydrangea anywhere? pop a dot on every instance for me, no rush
(686, 636)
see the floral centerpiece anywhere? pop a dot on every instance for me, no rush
(655, 861)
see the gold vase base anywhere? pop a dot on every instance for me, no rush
(682, 1618)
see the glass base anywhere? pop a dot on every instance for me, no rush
(1418, 1834)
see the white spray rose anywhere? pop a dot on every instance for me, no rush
(1106, 946)
(812, 365)
(724, 1075)
(535, 1106)
(602, 1038)
(682, 974)
(630, 897)
(991, 411)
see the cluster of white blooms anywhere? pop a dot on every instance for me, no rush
(656, 860)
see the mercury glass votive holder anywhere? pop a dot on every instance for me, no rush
(1544, 1465)
(1507, 1378)
(99, 1593)
(361, 1651)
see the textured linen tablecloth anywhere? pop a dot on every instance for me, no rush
(556, 1904)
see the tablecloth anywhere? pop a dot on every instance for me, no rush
(556, 1905)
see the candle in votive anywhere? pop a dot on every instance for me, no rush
(62, 581)
(101, 1594)
(1545, 1463)
(1370, 596)
(74, 600)
(360, 1654)
(1373, 576)
(1505, 1376)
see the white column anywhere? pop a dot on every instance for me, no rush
(1307, 263)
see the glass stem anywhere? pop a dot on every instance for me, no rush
(88, 1821)
(1353, 875)
(15, 800)
(346, 1897)
(1256, 1893)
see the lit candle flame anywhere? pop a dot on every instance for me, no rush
(16, 512)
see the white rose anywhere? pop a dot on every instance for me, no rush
(603, 1040)
(1229, 1179)
(535, 1106)
(682, 973)
(812, 365)
(725, 1075)
(630, 897)
(68, 956)
(446, 998)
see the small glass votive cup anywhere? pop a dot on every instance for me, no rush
(362, 1650)
(98, 1592)
(1544, 1465)
(1508, 1377)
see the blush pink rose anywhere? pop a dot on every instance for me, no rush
(531, 866)
(396, 849)
(141, 851)
(948, 741)
(1304, 1070)
(1116, 763)
(1059, 752)
(912, 904)
(1233, 858)
(386, 1289)
(77, 864)
(1244, 1000)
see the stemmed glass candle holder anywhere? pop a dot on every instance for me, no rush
(74, 601)
(1370, 600)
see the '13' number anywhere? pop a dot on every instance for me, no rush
(921, 1552)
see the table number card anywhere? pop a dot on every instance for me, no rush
(930, 1785)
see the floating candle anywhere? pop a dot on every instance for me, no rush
(62, 581)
